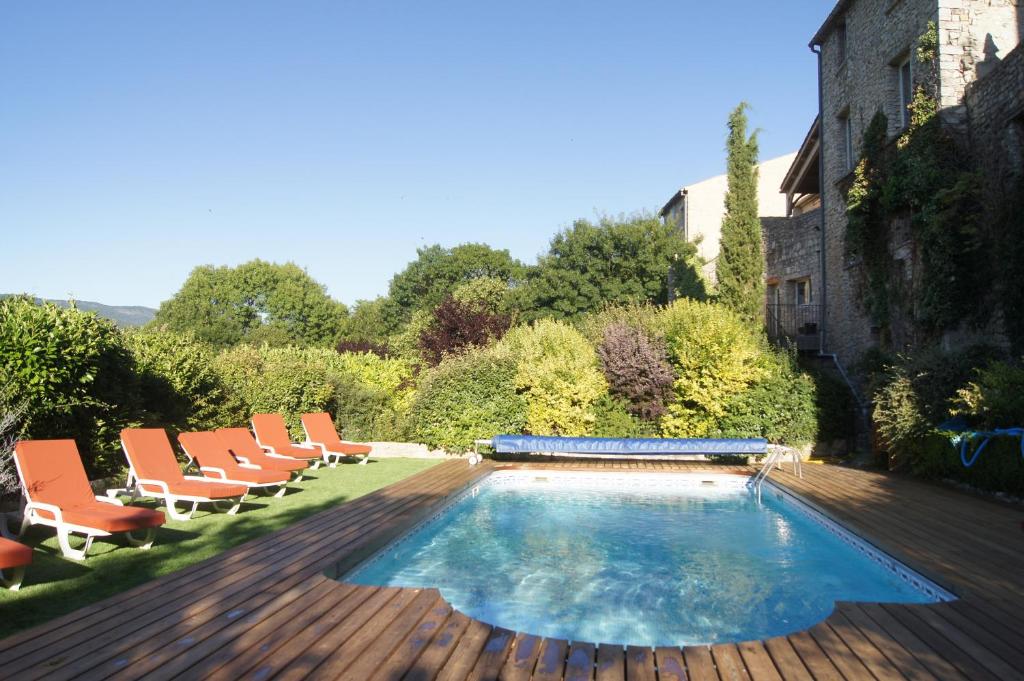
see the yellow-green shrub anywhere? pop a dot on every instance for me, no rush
(714, 356)
(558, 372)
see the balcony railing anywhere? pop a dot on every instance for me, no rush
(793, 324)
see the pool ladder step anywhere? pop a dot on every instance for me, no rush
(775, 455)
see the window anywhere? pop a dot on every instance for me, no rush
(847, 142)
(802, 290)
(906, 85)
(841, 43)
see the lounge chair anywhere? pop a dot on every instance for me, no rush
(272, 435)
(247, 451)
(13, 559)
(153, 471)
(58, 495)
(215, 460)
(320, 432)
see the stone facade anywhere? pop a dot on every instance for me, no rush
(865, 46)
(793, 269)
(995, 108)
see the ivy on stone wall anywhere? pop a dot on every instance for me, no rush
(921, 178)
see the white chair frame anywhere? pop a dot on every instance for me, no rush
(222, 476)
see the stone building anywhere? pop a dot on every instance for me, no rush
(868, 62)
(793, 253)
(698, 208)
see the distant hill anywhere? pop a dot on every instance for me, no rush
(122, 315)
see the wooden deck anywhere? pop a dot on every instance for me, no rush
(266, 609)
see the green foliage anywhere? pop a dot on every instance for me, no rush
(255, 302)
(928, 44)
(922, 178)
(557, 371)
(426, 281)
(178, 387)
(715, 355)
(288, 381)
(372, 321)
(994, 398)
(1009, 266)
(613, 419)
(740, 264)
(468, 397)
(72, 375)
(779, 406)
(620, 261)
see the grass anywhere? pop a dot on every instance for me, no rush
(54, 585)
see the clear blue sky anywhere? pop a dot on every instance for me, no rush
(140, 139)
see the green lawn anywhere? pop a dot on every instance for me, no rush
(54, 585)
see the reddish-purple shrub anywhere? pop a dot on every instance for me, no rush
(637, 369)
(457, 325)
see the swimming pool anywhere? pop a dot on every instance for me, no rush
(646, 559)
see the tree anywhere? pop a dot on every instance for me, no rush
(627, 260)
(371, 321)
(429, 279)
(257, 302)
(741, 256)
(457, 325)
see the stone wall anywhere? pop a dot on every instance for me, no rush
(879, 34)
(975, 39)
(995, 110)
(792, 247)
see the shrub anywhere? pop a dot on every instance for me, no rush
(636, 368)
(358, 346)
(71, 373)
(995, 398)
(612, 418)
(178, 386)
(372, 395)
(557, 370)
(264, 379)
(468, 397)
(715, 356)
(456, 325)
(779, 406)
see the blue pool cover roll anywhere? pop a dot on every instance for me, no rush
(518, 444)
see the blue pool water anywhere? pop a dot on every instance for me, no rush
(658, 560)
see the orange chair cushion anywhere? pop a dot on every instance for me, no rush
(111, 518)
(320, 429)
(209, 451)
(13, 554)
(241, 443)
(200, 488)
(52, 473)
(272, 431)
(150, 454)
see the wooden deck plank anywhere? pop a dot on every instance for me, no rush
(670, 662)
(264, 665)
(264, 608)
(464, 657)
(758, 662)
(640, 663)
(611, 662)
(436, 654)
(729, 663)
(522, 659)
(169, 586)
(492, 658)
(930, 658)
(365, 660)
(580, 664)
(813, 657)
(870, 656)
(412, 646)
(129, 632)
(551, 662)
(789, 664)
(898, 655)
(303, 665)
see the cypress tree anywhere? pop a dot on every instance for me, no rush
(741, 257)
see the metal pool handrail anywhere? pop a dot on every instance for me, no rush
(775, 455)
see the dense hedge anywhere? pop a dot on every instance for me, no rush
(924, 403)
(690, 369)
